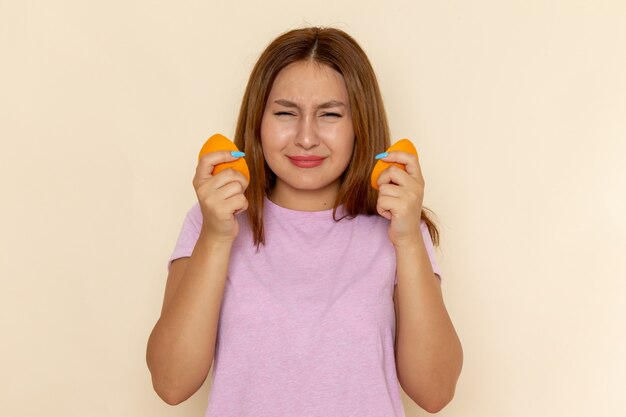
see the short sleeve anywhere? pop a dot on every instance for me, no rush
(188, 235)
(429, 248)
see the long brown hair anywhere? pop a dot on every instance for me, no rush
(338, 50)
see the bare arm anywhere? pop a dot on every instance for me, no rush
(182, 344)
(429, 356)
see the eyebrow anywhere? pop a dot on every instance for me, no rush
(326, 105)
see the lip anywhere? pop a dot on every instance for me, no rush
(306, 161)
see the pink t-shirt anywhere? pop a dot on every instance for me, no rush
(307, 324)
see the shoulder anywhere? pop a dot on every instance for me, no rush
(366, 230)
(371, 220)
(193, 219)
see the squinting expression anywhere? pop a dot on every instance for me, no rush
(306, 131)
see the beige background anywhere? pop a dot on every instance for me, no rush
(518, 109)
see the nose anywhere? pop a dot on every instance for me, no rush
(307, 135)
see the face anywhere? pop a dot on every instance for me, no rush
(306, 132)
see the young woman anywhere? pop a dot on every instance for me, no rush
(310, 293)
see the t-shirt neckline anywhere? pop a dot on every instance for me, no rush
(283, 212)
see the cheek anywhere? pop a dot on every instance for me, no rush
(269, 132)
(347, 138)
(264, 129)
(266, 137)
(270, 148)
(348, 153)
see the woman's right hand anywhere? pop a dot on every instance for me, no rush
(221, 196)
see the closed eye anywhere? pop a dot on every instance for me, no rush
(283, 113)
(332, 115)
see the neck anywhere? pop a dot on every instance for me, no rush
(304, 200)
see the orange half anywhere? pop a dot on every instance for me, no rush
(403, 145)
(219, 142)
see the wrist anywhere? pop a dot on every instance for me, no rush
(413, 240)
(414, 243)
(209, 239)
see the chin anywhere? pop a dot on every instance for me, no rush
(309, 185)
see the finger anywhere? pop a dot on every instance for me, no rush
(383, 207)
(384, 213)
(206, 164)
(409, 160)
(243, 206)
(387, 203)
(394, 175)
(390, 190)
(229, 190)
(227, 176)
(230, 175)
(236, 204)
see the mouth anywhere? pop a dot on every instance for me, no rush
(306, 161)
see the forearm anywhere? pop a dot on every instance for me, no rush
(428, 351)
(181, 346)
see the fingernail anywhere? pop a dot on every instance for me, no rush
(237, 154)
(381, 155)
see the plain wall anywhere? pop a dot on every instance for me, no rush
(517, 109)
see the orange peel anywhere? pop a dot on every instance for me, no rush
(403, 145)
(219, 142)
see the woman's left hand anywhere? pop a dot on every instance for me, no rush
(400, 198)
